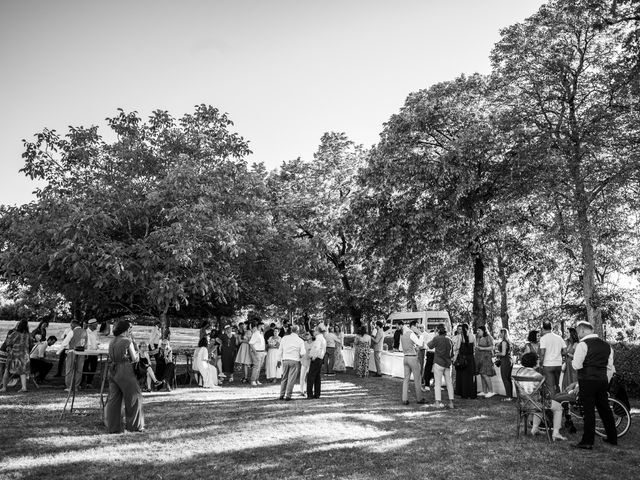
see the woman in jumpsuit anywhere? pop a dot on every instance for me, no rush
(123, 384)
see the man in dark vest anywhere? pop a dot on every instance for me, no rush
(593, 360)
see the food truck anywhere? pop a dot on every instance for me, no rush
(429, 318)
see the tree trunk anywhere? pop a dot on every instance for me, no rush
(503, 280)
(492, 312)
(582, 202)
(478, 314)
(586, 242)
(165, 323)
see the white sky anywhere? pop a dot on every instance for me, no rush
(285, 71)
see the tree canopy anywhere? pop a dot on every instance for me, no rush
(509, 197)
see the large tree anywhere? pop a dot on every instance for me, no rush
(432, 186)
(311, 202)
(572, 99)
(146, 223)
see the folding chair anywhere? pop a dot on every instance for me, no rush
(530, 399)
(15, 380)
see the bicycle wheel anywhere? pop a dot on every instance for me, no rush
(621, 418)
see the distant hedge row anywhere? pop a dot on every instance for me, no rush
(626, 358)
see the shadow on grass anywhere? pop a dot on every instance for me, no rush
(356, 430)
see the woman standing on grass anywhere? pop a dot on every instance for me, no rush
(338, 359)
(484, 361)
(123, 384)
(362, 344)
(244, 352)
(18, 346)
(228, 348)
(465, 364)
(570, 375)
(272, 370)
(503, 354)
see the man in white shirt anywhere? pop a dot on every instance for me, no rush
(377, 344)
(91, 361)
(330, 338)
(291, 352)
(62, 350)
(410, 342)
(258, 352)
(552, 350)
(317, 353)
(39, 366)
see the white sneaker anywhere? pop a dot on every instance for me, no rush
(489, 395)
(481, 394)
(258, 383)
(254, 384)
(425, 389)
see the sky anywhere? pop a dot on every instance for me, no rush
(285, 71)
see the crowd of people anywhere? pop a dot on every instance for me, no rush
(295, 357)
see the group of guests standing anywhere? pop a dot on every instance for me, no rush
(474, 355)
(255, 347)
(23, 353)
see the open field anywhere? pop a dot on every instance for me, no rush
(180, 337)
(357, 430)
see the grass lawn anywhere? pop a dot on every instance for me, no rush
(357, 430)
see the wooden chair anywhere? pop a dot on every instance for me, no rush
(530, 400)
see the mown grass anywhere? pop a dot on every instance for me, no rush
(357, 430)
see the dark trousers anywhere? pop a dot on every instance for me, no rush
(329, 359)
(428, 368)
(421, 360)
(164, 370)
(314, 379)
(90, 367)
(505, 373)
(552, 379)
(40, 368)
(61, 359)
(593, 394)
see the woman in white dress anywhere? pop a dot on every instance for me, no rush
(202, 365)
(272, 370)
(338, 359)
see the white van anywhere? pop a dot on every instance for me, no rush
(430, 319)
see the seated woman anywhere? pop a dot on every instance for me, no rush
(529, 361)
(165, 367)
(145, 364)
(202, 365)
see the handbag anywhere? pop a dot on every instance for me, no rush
(461, 362)
(498, 362)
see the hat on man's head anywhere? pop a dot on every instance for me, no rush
(92, 321)
(585, 324)
(227, 326)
